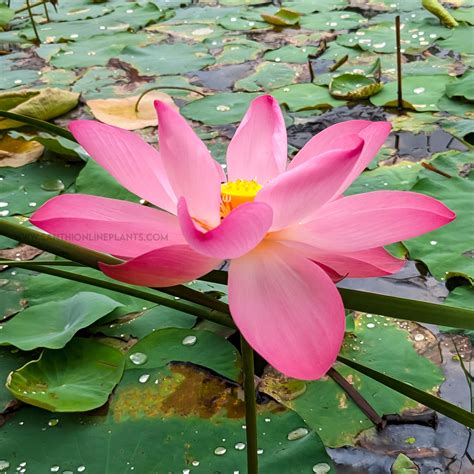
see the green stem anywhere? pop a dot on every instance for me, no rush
(33, 5)
(91, 258)
(250, 406)
(33, 24)
(46, 11)
(32, 263)
(142, 293)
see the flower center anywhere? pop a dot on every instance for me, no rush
(235, 193)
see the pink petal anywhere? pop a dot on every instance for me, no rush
(258, 149)
(288, 309)
(297, 193)
(241, 231)
(369, 220)
(116, 227)
(362, 264)
(374, 135)
(128, 158)
(167, 266)
(192, 171)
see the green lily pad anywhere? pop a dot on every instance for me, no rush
(327, 408)
(18, 78)
(460, 40)
(41, 104)
(238, 52)
(267, 76)
(219, 109)
(420, 93)
(404, 465)
(53, 324)
(310, 6)
(463, 297)
(465, 15)
(457, 107)
(141, 324)
(188, 31)
(354, 86)
(305, 97)
(443, 251)
(96, 51)
(290, 54)
(462, 129)
(25, 189)
(43, 289)
(167, 58)
(182, 417)
(462, 87)
(243, 21)
(186, 345)
(332, 21)
(79, 377)
(380, 38)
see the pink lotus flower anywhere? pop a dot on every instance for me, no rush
(286, 228)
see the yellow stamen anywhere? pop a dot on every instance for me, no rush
(235, 193)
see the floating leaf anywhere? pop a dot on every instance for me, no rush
(404, 465)
(332, 21)
(420, 93)
(354, 86)
(18, 152)
(186, 345)
(326, 407)
(460, 40)
(53, 324)
(283, 17)
(443, 252)
(291, 54)
(219, 109)
(267, 76)
(167, 58)
(79, 377)
(41, 104)
(462, 87)
(24, 189)
(121, 112)
(305, 97)
(6, 14)
(176, 418)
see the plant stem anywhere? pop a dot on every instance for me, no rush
(250, 406)
(399, 64)
(46, 11)
(142, 293)
(33, 24)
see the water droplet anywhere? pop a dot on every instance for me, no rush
(32, 204)
(4, 213)
(371, 325)
(74, 36)
(239, 446)
(55, 469)
(68, 472)
(277, 60)
(321, 468)
(297, 434)
(220, 450)
(138, 358)
(286, 89)
(144, 378)
(419, 90)
(433, 242)
(259, 451)
(4, 465)
(53, 422)
(195, 463)
(81, 468)
(267, 420)
(222, 108)
(53, 185)
(129, 11)
(189, 341)
(419, 337)
(186, 471)
(379, 45)
(233, 19)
